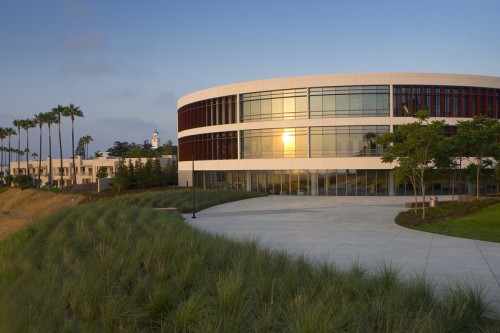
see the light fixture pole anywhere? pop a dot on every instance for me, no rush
(194, 191)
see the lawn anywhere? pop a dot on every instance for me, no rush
(482, 225)
(116, 264)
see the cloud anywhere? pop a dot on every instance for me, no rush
(83, 43)
(88, 67)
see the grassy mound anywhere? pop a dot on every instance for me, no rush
(118, 265)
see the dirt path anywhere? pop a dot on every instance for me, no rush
(20, 207)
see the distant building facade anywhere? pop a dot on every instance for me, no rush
(86, 169)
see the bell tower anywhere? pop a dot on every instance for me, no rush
(155, 140)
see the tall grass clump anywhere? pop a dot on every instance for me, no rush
(119, 265)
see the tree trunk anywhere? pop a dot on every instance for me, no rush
(40, 159)
(50, 159)
(60, 152)
(18, 152)
(27, 158)
(9, 161)
(477, 181)
(73, 146)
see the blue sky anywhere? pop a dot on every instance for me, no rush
(125, 63)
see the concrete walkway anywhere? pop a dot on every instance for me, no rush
(348, 229)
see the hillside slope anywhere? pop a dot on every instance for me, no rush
(19, 207)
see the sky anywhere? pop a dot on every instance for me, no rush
(125, 63)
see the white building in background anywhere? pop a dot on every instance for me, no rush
(155, 140)
(314, 135)
(86, 169)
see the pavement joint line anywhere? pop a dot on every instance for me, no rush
(385, 245)
(428, 254)
(487, 263)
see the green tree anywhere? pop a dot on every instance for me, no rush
(9, 131)
(446, 159)
(157, 177)
(102, 172)
(121, 179)
(73, 111)
(478, 141)
(414, 146)
(80, 148)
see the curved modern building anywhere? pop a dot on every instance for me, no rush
(314, 135)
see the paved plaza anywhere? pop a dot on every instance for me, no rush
(348, 229)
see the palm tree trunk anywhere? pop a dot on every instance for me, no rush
(18, 151)
(73, 145)
(9, 161)
(27, 158)
(50, 158)
(60, 151)
(40, 159)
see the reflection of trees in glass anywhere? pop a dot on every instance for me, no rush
(370, 143)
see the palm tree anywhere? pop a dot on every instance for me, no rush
(73, 111)
(26, 125)
(51, 119)
(3, 135)
(58, 112)
(40, 119)
(17, 123)
(9, 131)
(86, 140)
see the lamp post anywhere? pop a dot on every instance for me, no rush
(194, 191)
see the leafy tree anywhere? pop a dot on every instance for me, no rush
(446, 159)
(80, 148)
(73, 111)
(170, 173)
(121, 179)
(139, 152)
(157, 176)
(102, 172)
(414, 146)
(119, 148)
(132, 174)
(478, 141)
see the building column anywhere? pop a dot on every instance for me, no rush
(248, 181)
(391, 182)
(314, 183)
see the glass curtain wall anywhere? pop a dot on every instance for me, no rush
(350, 101)
(273, 105)
(274, 143)
(446, 101)
(339, 141)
